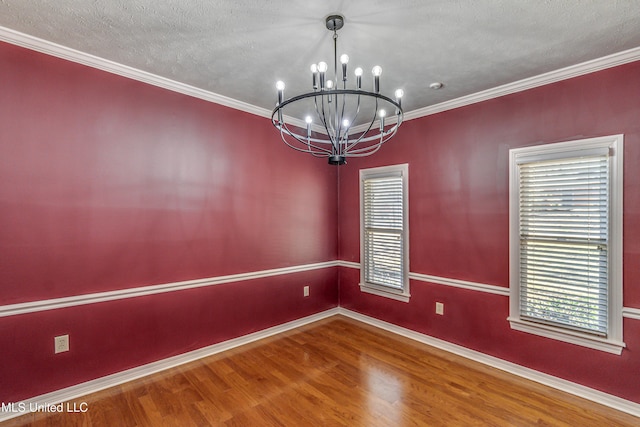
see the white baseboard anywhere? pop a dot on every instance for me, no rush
(579, 390)
(98, 384)
(93, 386)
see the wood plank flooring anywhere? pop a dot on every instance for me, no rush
(336, 372)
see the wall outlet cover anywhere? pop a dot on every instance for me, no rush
(61, 344)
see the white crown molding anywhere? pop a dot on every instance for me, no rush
(59, 51)
(57, 303)
(558, 383)
(93, 386)
(54, 49)
(569, 72)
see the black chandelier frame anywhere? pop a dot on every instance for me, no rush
(335, 138)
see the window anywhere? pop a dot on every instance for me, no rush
(566, 241)
(384, 236)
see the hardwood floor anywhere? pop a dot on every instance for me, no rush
(336, 372)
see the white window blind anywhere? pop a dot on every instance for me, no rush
(384, 231)
(564, 244)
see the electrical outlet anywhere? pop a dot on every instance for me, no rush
(61, 344)
(440, 308)
(305, 291)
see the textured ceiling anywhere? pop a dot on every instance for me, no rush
(239, 48)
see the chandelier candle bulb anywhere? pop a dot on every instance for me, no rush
(322, 69)
(280, 87)
(399, 93)
(358, 72)
(314, 74)
(308, 120)
(344, 59)
(377, 72)
(329, 104)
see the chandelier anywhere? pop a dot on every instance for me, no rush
(332, 110)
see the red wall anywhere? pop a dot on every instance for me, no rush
(458, 220)
(107, 183)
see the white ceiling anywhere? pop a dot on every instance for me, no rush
(239, 48)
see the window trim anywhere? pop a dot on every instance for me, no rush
(379, 172)
(613, 342)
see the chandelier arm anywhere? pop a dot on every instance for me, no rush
(365, 151)
(383, 138)
(359, 140)
(333, 134)
(351, 149)
(344, 102)
(320, 153)
(303, 138)
(366, 148)
(373, 119)
(322, 141)
(329, 128)
(355, 117)
(337, 123)
(284, 130)
(284, 139)
(315, 102)
(371, 138)
(365, 154)
(321, 115)
(392, 132)
(332, 115)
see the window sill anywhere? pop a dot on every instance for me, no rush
(597, 343)
(399, 295)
